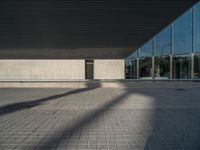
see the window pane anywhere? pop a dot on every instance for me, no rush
(133, 55)
(163, 42)
(147, 49)
(197, 27)
(181, 67)
(146, 68)
(162, 67)
(197, 67)
(183, 34)
(131, 69)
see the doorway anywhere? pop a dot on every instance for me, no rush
(89, 69)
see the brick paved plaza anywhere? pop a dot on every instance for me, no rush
(104, 118)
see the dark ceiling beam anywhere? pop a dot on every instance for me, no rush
(40, 29)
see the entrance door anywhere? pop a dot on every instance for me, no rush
(89, 69)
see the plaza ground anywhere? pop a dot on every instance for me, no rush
(123, 116)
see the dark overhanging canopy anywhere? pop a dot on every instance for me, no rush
(61, 29)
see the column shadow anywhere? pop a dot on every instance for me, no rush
(53, 142)
(175, 120)
(14, 107)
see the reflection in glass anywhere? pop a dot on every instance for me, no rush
(131, 69)
(163, 42)
(146, 68)
(197, 27)
(181, 67)
(197, 66)
(162, 67)
(179, 40)
(183, 34)
(147, 49)
(133, 55)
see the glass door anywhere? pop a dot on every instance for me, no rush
(89, 69)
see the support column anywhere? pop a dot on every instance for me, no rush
(171, 67)
(172, 52)
(192, 66)
(138, 69)
(193, 43)
(153, 67)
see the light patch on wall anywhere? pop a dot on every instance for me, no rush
(109, 69)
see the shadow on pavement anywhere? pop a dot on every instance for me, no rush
(175, 120)
(53, 142)
(11, 108)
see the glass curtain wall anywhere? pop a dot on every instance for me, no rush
(145, 68)
(197, 66)
(131, 69)
(182, 34)
(163, 43)
(174, 53)
(197, 41)
(145, 62)
(197, 28)
(182, 42)
(162, 67)
(182, 67)
(162, 51)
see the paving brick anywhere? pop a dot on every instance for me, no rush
(100, 118)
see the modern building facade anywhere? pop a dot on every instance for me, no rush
(78, 40)
(174, 53)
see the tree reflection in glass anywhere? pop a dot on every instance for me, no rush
(146, 68)
(162, 67)
(182, 67)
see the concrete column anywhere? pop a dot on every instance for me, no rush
(138, 68)
(192, 66)
(153, 68)
(171, 67)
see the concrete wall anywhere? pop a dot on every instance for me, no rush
(109, 69)
(42, 69)
(23, 70)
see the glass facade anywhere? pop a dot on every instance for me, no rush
(182, 67)
(147, 49)
(174, 53)
(197, 66)
(162, 67)
(197, 28)
(182, 34)
(145, 65)
(131, 69)
(163, 42)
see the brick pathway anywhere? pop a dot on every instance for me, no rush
(100, 118)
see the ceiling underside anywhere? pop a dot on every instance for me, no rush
(58, 29)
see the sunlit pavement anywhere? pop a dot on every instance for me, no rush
(157, 118)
